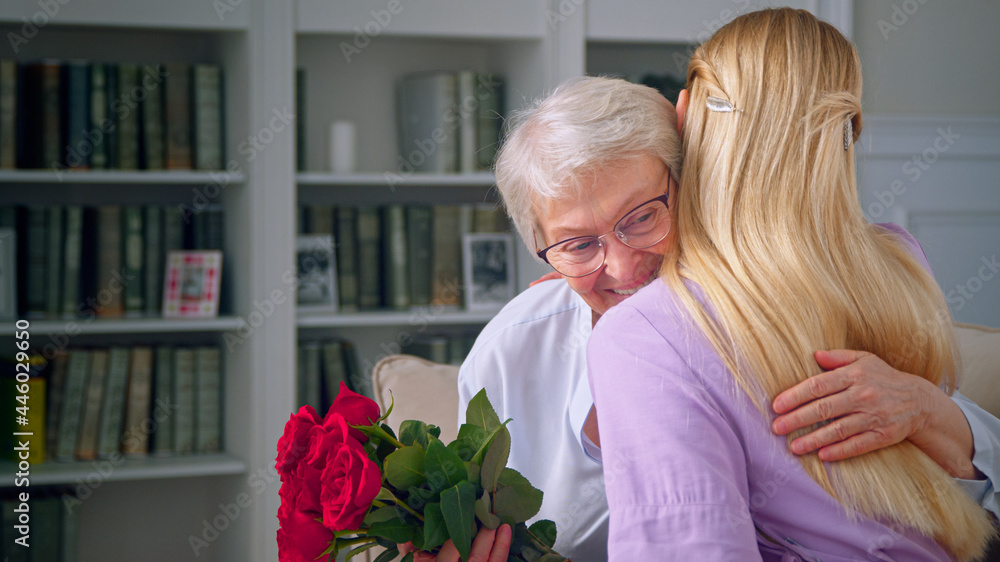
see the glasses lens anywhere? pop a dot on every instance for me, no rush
(576, 257)
(644, 226)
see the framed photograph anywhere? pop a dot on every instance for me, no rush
(317, 272)
(191, 284)
(488, 268)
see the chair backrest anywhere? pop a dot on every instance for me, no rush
(979, 378)
(421, 390)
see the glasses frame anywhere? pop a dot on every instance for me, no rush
(600, 239)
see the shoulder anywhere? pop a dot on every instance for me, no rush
(900, 234)
(655, 309)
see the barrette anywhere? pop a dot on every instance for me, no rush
(848, 133)
(720, 105)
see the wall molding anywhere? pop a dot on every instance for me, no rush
(891, 137)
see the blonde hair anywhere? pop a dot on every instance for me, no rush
(586, 123)
(770, 228)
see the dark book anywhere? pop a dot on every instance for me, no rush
(8, 113)
(468, 120)
(135, 437)
(300, 119)
(73, 397)
(184, 400)
(56, 372)
(133, 258)
(369, 259)
(208, 228)
(207, 114)
(356, 379)
(420, 242)
(54, 268)
(395, 261)
(100, 126)
(433, 348)
(90, 420)
(151, 122)
(76, 114)
(208, 397)
(346, 241)
(126, 115)
(308, 383)
(109, 262)
(35, 287)
(113, 408)
(163, 401)
(87, 302)
(72, 261)
(489, 94)
(46, 516)
(178, 116)
(173, 229)
(154, 259)
(320, 219)
(334, 372)
(427, 121)
(446, 269)
(111, 111)
(40, 124)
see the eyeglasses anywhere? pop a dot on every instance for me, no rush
(640, 228)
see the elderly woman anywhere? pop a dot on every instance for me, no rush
(773, 261)
(590, 177)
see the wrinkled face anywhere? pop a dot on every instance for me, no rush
(609, 195)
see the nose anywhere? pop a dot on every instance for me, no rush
(620, 261)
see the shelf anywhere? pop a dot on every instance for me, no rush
(385, 179)
(195, 15)
(417, 316)
(54, 473)
(127, 326)
(121, 177)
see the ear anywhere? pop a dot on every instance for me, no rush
(682, 105)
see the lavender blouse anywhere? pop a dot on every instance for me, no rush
(692, 469)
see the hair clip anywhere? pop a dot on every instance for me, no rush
(720, 105)
(848, 133)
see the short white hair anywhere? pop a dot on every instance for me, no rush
(586, 123)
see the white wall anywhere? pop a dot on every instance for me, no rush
(941, 59)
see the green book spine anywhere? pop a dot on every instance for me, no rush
(73, 256)
(152, 118)
(356, 379)
(369, 259)
(320, 219)
(46, 514)
(446, 256)
(90, 421)
(56, 393)
(134, 250)
(489, 94)
(184, 395)
(109, 261)
(154, 259)
(113, 408)
(178, 117)
(346, 240)
(53, 270)
(135, 436)
(334, 372)
(76, 114)
(420, 242)
(100, 126)
(78, 371)
(127, 118)
(35, 288)
(111, 140)
(163, 401)
(207, 123)
(309, 376)
(8, 113)
(52, 141)
(468, 119)
(208, 392)
(173, 229)
(395, 267)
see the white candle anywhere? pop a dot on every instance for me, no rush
(342, 147)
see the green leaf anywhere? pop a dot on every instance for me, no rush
(495, 460)
(470, 439)
(413, 432)
(442, 467)
(386, 495)
(434, 430)
(420, 496)
(458, 508)
(474, 470)
(388, 556)
(481, 413)
(485, 513)
(545, 531)
(516, 500)
(552, 557)
(360, 549)
(395, 530)
(435, 530)
(478, 457)
(405, 467)
(408, 557)
(382, 514)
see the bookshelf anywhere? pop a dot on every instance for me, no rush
(259, 43)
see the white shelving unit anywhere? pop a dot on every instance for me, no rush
(151, 509)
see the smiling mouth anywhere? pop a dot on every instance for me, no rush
(634, 290)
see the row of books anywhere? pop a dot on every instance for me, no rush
(448, 349)
(131, 401)
(92, 115)
(449, 121)
(398, 256)
(74, 261)
(52, 528)
(322, 366)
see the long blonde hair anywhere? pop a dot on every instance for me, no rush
(770, 228)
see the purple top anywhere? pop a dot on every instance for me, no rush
(691, 465)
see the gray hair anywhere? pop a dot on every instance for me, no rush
(586, 123)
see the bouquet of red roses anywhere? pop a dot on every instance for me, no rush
(349, 482)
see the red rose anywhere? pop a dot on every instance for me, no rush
(355, 408)
(350, 480)
(294, 444)
(300, 492)
(302, 538)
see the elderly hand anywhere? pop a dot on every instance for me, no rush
(872, 406)
(490, 545)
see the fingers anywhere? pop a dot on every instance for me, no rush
(836, 432)
(501, 547)
(855, 446)
(810, 389)
(837, 358)
(828, 408)
(448, 553)
(482, 545)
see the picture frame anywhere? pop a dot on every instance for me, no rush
(316, 266)
(191, 284)
(488, 270)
